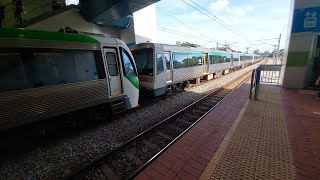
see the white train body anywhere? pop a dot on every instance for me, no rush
(161, 67)
(46, 74)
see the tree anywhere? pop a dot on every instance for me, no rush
(257, 51)
(186, 43)
(222, 48)
(178, 43)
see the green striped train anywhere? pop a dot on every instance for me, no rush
(47, 74)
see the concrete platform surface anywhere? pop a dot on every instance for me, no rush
(274, 137)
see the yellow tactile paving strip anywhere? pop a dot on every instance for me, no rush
(257, 145)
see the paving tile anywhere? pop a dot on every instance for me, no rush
(186, 175)
(187, 155)
(177, 178)
(169, 175)
(194, 172)
(170, 157)
(177, 166)
(196, 165)
(165, 162)
(160, 168)
(153, 173)
(143, 176)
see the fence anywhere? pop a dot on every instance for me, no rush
(270, 73)
(267, 74)
(30, 9)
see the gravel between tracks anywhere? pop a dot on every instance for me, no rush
(55, 160)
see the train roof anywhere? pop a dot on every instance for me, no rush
(169, 47)
(8, 33)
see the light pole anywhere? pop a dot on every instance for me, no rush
(274, 54)
(248, 49)
(278, 52)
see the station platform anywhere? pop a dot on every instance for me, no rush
(274, 137)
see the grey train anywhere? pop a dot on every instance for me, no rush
(164, 68)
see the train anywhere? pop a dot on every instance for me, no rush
(164, 68)
(48, 74)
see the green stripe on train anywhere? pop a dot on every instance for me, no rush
(134, 81)
(297, 59)
(44, 35)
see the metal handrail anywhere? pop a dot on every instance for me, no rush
(255, 83)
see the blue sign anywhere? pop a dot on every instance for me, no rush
(306, 20)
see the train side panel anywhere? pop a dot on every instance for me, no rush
(213, 68)
(25, 106)
(184, 74)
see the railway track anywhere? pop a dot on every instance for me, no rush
(126, 161)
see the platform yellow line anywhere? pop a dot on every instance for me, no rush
(207, 173)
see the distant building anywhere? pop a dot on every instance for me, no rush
(142, 39)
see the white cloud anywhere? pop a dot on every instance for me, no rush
(219, 4)
(239, 10)
(227, 7)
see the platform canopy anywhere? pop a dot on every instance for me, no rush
(114, 13)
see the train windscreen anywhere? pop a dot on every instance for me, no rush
(144, 61)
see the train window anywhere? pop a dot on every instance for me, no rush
(99, 64)
(30, 68)
(212, 59)
(180, 60)
(144, 61)
(228, 58)
(128, 69)
(12, 72)
(112, 63)
(194, 60)
(220, 58)
(167, 58)
(160, 67)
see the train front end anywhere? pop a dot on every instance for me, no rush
(151, 83)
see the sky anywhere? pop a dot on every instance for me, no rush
(240, 23)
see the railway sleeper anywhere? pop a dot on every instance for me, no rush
(151, 145)
(134, 158)
(198, 111)
(164, 135)
(191, 116)
(184, 121)
(175, 127)
(204, 106)
(106, 170)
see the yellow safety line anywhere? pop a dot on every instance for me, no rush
(207, 173)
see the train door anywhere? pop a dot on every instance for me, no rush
(169, 67)
(231, 59)
(112, 66)
(205, 62)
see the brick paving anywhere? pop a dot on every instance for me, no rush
(276, 137)
(259, 147)
(190, 155)
(304, 131)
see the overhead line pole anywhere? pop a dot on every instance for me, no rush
(278, 52)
